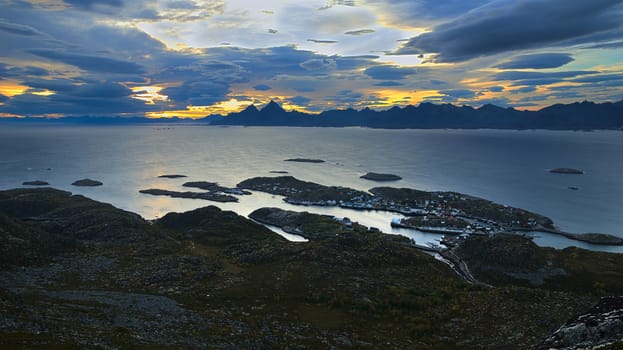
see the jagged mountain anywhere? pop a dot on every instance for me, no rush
(575, 116)
(584, 115)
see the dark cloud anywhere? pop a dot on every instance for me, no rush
(354, 62)
(300, 100)
(523, 90)
(21, 72)
(438, 82)
(389, 72)
(496, 88)
(182, 4)
(348, 97)
(422, 12)
(537, 61)
(98, 64)
(360, 32)
(389, 83)
(90, 4)
(198, 93)
(509, 25)
(304, 89)
(527, 75)
(3, 98)
(59, 85)
(89, 98)
(262, 87)
(459, 93)
(319, 64)
(19, 29)
(598, 78)
(610, 45)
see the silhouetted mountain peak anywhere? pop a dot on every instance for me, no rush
(250, 109)
(272, 107)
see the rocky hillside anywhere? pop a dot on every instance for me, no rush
(78, 274)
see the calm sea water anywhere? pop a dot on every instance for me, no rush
(509, 167)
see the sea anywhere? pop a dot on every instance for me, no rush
(506, 166)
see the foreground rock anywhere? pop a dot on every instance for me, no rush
(599, 327)
(87, 183)
(75, 273)
(381, 177)
(35, 183)
(566, 171)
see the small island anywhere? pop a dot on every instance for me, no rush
(566, 171)
(87, 183)
(304, 160)
(35, 183)
(381, 177)
(278, 172)
(172, 176)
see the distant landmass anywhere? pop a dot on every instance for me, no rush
(575, 116)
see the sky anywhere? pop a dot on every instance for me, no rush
(193, 58)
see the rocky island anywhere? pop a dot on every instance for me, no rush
(570, 171)
(381, 177)
(75, 273)
(209, 196)
(304, 160)
(35, 183)
(87, 183)
(171, 176)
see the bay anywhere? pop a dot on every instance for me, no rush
(508, 167)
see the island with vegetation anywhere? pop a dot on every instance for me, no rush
(76, 273)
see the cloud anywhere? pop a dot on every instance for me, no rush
(389, 72)
(360, 32)
(3, 98)
(388, 83)
(262, 87)
(496, 88)
(322, 41)
(537, 61)
(93, 63)
(510, 25)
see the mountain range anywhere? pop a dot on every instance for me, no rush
(575, 116)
